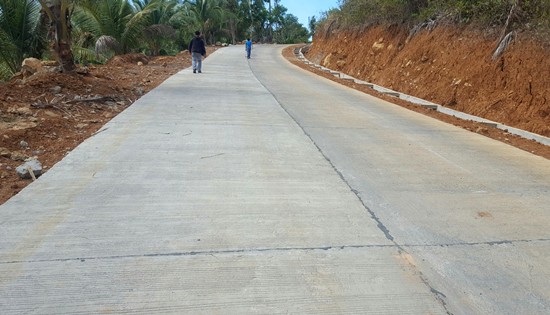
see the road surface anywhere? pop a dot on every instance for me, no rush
(259, 188)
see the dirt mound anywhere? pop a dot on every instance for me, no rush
(449, 66)
(128, 59)
(48, 114)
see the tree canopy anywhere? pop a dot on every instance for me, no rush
(85, 31)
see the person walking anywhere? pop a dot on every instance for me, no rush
(197, 49)
(248, 47)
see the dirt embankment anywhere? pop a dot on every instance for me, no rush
(449, 66)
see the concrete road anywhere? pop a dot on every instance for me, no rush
(473, 213)
(259, 188)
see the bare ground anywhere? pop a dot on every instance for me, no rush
(48, 114)
(452, 67)
(449, 66)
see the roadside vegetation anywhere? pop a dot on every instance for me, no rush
(92, 31)
(506, 17)
(528, 14)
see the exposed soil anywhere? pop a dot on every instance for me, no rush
(497, 134)
(449, 66)
(494, 133)
(48, 114)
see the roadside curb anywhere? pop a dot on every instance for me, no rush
(426, 104)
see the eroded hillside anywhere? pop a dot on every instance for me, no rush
(449, 66)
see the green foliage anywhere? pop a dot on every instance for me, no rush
(231, 17)
(21, 34)
(487, 13)
(5, 71)
(159, 35)
(312, 24)
(290, 31)
(537, 12)
(357, 12)
(117, 19)
(205, 16)
(94, 30)
(493, 12)
(255, 18)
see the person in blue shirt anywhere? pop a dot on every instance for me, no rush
(248, 47)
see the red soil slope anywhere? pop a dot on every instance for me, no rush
(449, 66)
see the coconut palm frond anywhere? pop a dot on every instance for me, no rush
(165, 12)
(140, 5)
(18, 36)
(105, 44)
(205, 14)
(183, 19)
(503, 45)
(84, 55)
(38, 41)
(132, 35)
(87, 18)
(9, 53)
(5, 71)
(83, 39)
(157, 36)
(160, 31)
(105, 18)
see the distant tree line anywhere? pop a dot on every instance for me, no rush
(84, 31)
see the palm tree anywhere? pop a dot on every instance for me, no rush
(256, 18)
(60, 13)
(205, 15)
(231, 18)
(159, 31)
(115, 25)
(290, 31)
(160, 11)
(21, 34)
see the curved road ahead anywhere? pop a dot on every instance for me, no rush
(260, 188)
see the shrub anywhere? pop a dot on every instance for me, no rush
(487, 13)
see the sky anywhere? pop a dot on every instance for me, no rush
(303, 9)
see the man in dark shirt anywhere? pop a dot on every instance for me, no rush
(197, 50)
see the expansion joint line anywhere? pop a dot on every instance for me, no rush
(270, 250)
(201, 253)
(439, 296)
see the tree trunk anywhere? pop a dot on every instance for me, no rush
(233, 31)
(59, 13)
(65, 56)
